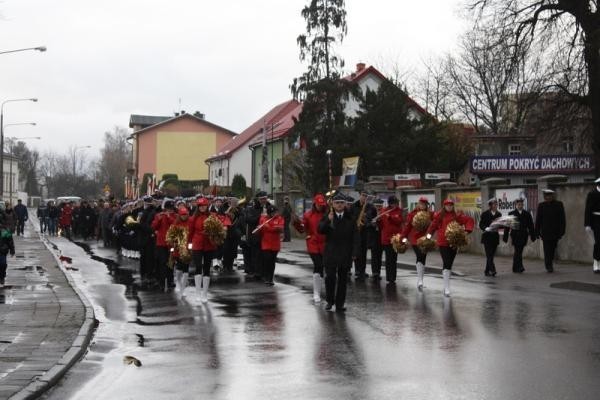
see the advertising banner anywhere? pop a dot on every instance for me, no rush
(507, 197)
(532, 164)
(413, 198)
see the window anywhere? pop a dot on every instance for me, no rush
(514, 149)
(568, 145)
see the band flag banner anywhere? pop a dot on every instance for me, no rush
(349, 171)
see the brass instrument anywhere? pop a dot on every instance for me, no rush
(234, 209)
(382, 214)
(360, 222)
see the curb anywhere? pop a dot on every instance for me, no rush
(77, 350)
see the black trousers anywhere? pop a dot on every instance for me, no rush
(148, 260)
(20, 226)
(518, 258)
(549, 251)
(317, 260)
(360, 264)
(203, 261)
(287, 235)
(269, 258)
(490, 252)
(336, 278)
(181, 266)
(230, 249)
(376, 254)
(596, 230)
(164, 272)
(448, 255)
(391, 259)
(255, 260)
(421, 256)
(2, 268)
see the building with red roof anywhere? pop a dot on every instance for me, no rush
(235, 157)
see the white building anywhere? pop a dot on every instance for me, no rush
(236, 157)
(11, 179)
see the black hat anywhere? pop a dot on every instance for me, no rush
(261, 194)
(378, 202)
(339, 197)
(349, 199)
(393, 200)
(519, 200)
(168, 203)
(148, 199)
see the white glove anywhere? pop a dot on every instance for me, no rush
(171, 249)
(404, 240)
(189, 246)
(488, 229)
(428, 236)
(588, 229)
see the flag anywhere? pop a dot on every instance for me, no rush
(349, 170)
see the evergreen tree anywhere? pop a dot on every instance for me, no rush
(238, 185)
(322, 122)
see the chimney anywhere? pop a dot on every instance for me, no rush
(360, 67)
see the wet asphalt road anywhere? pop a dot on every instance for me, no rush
(490, 341)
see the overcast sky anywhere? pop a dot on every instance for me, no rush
(231, 60)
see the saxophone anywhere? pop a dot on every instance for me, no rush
(360, 222)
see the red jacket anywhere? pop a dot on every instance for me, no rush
(270, 232)
(315, 242)
(390, 224)
(200, 241)
(160, 224)
(66, 216)
(225, 220)
(409, 230)
(185, 224)
(439, 224)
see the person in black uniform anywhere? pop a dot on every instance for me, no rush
(490, 238)
(592, 222)
(365, 230)
(252, 215)
(520, 234)
(234, 234)
(286, 213)
(550, 225)
(374, 243)
(341, 238)
(147, 241)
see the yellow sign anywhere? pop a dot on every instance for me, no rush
(466, 201)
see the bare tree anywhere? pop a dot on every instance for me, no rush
(433, 89)
(574, 27)
(494, 81)
(114, 158)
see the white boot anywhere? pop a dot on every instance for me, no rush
(184, 282)
(317, 288)
(597, 266)
(198, 282)
(178, 275)
(205, 285)
(447, 274)
(420, 272)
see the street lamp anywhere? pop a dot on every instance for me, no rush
(12, 155)
(2, 138)
(39, 48)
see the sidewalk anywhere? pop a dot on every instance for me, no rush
(44, 325)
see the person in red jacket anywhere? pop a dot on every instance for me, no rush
(440, 222)
(410, 234)
(161, 224)
(181, 262)
(315, 242)
(66, 219)
(270, 229)
(391, 224)
(203, 249)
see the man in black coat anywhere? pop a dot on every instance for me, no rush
(22, 216)
(339, 228)
(490, 237)
(365, 230)
(520, 234)
(147, 241)
(286, 213)
(592, 222)
(550, 225)
(251, 217)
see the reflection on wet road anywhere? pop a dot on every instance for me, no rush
(258, 342)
